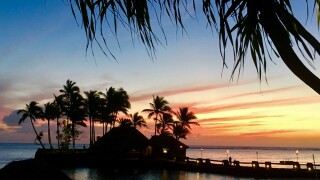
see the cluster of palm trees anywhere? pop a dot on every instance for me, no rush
(70, 109)
(163, 116)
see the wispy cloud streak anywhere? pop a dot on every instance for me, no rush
(259, 104)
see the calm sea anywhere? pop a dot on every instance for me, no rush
(11, 152)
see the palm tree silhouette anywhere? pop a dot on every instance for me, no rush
(73, 106)
(124, 122)
(164, 124)
(49, 114)
(117, 101)
(159, 106)
(92, 103)
(180, 131)
(137, 120)
(106, 117)
(32, 111)
(58, 107)
(186, 117)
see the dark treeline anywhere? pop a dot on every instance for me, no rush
(70, 110)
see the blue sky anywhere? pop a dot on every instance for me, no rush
(42, 46)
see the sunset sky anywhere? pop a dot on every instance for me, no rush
(42, 46)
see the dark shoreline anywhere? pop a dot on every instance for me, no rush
(83, 158)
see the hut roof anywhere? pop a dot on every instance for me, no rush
(166, 141)
(122, 138)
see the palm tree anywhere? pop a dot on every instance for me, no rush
(117, 101)
(106, 117)
(58, 107)
(49, 114)
(73, 106)
(124, 122)
(92, 103)
(159, 106)
(165, 123)
(261, 27)
(32, 111)
(137, 120)
(186, 117)
(180, 131)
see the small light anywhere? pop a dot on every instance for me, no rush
(165, 150)
(197, 161)
(253, 165)
(181, 147)
(309, 166)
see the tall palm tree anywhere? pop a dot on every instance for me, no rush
(180, 131)
(124, 122)
(106, 117)
(165, 123)
(49, 114)
(117, 101)
(159, 106)
(32, 111)
(257, 27)
(58, 107)
(92, 103)
(73, 106)
(137, 120)
(186, 117)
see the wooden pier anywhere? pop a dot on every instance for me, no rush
(282, 169)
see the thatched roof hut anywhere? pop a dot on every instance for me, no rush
(121, 142)
(167, 147)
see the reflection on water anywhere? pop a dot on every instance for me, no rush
(138, 174)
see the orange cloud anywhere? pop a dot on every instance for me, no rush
(249, 105)
(267, 133)
(261, 92)
(147, 96)
(236, 118)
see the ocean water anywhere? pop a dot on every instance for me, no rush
(10, 152)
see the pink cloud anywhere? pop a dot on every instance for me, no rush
(251, 105)
(261, 92)
(237, 118)
(177, 91)
(267, 133)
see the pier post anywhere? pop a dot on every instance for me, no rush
(236, 163)
(225, 163)
(268, 165)
(255, 164)
(309, 166)
(296, 166)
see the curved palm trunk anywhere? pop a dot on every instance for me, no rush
(49, 135)
(279, 37)
(58, 133)
(102, 127)
(93, 133)
(90, 127)
(155, 125)
(73, 136)
(35, 131)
